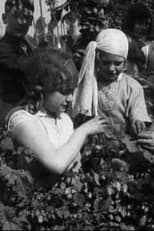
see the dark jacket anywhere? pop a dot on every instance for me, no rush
(12, 49)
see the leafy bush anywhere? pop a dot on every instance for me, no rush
(113, 189)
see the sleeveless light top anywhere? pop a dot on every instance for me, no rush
(58, 130)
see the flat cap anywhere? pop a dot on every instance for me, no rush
(24, 3)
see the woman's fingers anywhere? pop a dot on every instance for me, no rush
(151, 148)
(138, 126)
(146, 135)
(103, 121)
(96, 125)
(145, 141)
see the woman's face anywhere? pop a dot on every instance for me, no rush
(57, 102)
(110, 66)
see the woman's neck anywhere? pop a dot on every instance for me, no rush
(51, 114)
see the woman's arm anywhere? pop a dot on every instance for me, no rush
(29, 134)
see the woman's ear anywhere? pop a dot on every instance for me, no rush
(97, 55)
(4, 18)
(97, 59)
(125, 65)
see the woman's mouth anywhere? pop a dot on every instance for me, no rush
(64, 107)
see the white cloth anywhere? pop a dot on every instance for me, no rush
(85, 95)
(113, 41)
(85, 98)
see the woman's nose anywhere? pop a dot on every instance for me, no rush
(69, 98)
(112, 67)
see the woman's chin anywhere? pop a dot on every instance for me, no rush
(63, 108)
(111, 79)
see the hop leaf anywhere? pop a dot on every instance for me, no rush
(119, 165)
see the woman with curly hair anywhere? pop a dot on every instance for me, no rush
(43, 125)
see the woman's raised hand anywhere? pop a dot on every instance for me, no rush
(95, 125)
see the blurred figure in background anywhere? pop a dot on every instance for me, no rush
(18, 17)
(137, 24)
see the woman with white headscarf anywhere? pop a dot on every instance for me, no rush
(104, 88)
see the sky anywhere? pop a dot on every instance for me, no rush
(36, 13)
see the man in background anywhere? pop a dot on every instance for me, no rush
(18, 17)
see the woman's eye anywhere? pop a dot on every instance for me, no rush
(66, 92)
(118, 63)
(106, 62)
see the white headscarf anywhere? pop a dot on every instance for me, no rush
(85, 97)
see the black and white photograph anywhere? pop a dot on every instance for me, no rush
(76, 115)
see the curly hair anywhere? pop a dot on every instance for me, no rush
(137, 12)
(52, 69)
